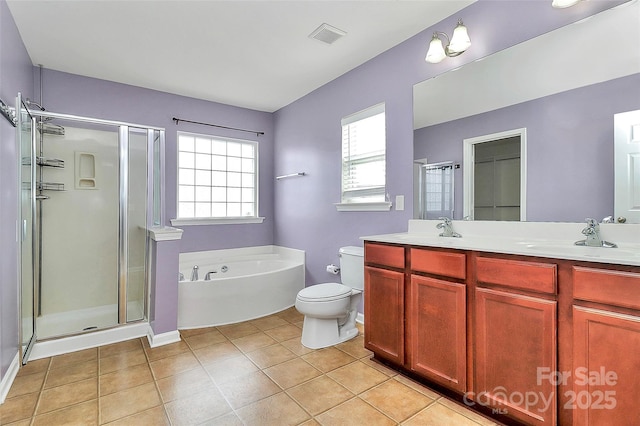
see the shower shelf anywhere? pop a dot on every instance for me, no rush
(48, 186)
(50, 162)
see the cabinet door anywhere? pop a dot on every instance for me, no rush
(437, 331)
(515, 345)
(606, 362)
(384, 313)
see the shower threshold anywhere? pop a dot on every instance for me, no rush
(84, 320)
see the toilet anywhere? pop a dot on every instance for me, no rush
(330, 309)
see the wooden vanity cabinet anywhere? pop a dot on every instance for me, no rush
(436, 317)
(384, 313)
(606, 347)
(515, 338)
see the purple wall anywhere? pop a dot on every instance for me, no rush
(15, 76)
(569, 147)
(308, 130)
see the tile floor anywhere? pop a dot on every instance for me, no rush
(251, 373)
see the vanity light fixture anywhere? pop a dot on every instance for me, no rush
(458, 43)
(561, 4)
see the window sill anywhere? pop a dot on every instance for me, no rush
(364, 207)
(216, 221)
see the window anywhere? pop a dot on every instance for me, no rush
(217, 180)
(363, 160)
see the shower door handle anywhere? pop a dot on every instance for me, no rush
(24, 229)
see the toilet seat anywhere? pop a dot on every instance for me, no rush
(324, 292)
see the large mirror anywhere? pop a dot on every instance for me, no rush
(563, 88)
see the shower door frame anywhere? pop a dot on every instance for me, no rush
(154, 208)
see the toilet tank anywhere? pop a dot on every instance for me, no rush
(352, 266)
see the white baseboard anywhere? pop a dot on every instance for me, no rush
(88, 340)
(360, 318)
(10, 375)
(162, 339)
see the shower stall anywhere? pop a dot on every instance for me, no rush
(90, 190)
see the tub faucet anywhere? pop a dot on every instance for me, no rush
(447, 228)
(208, 276)
(194, 273)
(592, 232)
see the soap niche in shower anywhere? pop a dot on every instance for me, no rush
(85, 170)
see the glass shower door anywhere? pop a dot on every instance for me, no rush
(27, 142)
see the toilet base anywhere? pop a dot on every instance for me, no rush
(320, 333)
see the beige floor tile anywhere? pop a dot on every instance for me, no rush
(194, 331)
(353, 413)
(292, 315)
(118, 348)
(292, 373)
(320, 394)
(73, 358)
(310, 422)
(155, 416)
(202, 340)
(253, 342)
(230, 368)
(165, 367)
(18, 408)
(36, 366)
(278, 410)
(124, 379)
(355, 347)
(296, 346)
(328, 359)
(235, 331)
(284, 332)
(248, 389)
(266, 323)
(27, 383)
(438, 415)
(271, 355)
(66, 395)
(396, 400)
(199, 408)
(183, 385)
(226, 420)
(166, 351)
(465, 411)
(379, 366)
(417, 386)
(357, 376)
(84, 414)
(217, 352)
(122, 360)
(71, 373)
(128, 402)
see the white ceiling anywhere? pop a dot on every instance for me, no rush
(253, 54)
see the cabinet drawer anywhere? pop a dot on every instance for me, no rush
(379, 254)
(534, 276)
(605, 286)
(442, 263)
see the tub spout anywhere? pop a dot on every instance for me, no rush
(194, 273)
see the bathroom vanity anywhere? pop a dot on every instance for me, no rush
(536, 331)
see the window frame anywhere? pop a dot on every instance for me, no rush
(347, 204)
(217, 220)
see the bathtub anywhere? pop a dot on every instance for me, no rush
(244, 284)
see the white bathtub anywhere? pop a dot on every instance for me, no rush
(256, 282)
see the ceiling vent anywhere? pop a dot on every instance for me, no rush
(327, 34)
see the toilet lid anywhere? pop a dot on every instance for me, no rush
(324, 292)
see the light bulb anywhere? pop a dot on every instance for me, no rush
(435, 53)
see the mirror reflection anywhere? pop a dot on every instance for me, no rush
(563, 88)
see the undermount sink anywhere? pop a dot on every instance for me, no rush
(570, 248)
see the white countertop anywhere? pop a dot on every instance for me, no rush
(540, 239)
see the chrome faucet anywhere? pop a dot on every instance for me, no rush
(592, 232)
(447, 228)
(194, 273)
(208, 276)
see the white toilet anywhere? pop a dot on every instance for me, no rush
(330, 309)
